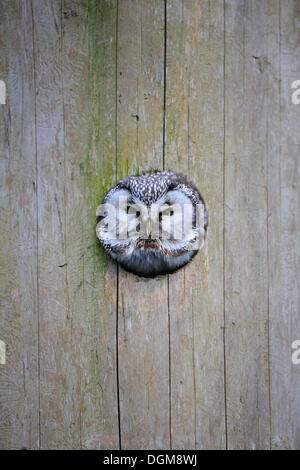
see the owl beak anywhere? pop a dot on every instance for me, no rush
(148, 227)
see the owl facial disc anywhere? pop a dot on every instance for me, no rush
(154, 224)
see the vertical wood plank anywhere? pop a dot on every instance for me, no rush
(18, 228)
(85, 90)
(194, 146)
(59, 425)
(251, 75)
(78, 290)
(284, 254)
(143, 305)
(89, 30)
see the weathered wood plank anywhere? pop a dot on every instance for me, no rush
(251, 69)
(85, 107)
(59, 428)
(143, 304)
(78, 387)
(194, 146)
(284, 227)
(18, 228)
(103, 165)
(89, 30)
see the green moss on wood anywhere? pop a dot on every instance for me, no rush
(101, 157)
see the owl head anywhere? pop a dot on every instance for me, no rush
(152, 224)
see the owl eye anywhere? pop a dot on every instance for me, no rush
(137, 213)
(169, 213)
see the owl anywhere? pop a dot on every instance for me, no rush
(152, 224)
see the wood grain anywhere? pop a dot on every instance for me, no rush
(56, 421)
(284, 227)
(143, 304)
(194, 146)
(18, 221)
(97, 358)
(89, 124)
(251, 70)
(77, 286)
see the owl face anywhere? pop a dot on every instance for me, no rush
(152, 224)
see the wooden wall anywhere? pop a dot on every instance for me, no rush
(96, 357)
